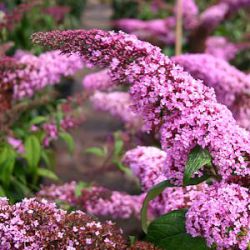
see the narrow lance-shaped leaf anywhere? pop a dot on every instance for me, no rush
(69, 140)
(101, 152)
(32, 151)
(43, 172)
(118, 147)
(7, 163)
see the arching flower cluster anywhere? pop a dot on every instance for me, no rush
(222, 215)
(227, 81)
(117, 104)
(231, 85)
(37, 224)
(185, 110)
(167, 97)
(217, 13)
(236, 4)
(98, 201)
(162, 29)
(46, 69)
(98, 81)
(213, 16)
(220, 47)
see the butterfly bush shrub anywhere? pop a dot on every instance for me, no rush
(186, 114)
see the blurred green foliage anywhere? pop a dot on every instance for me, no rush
(36, 20)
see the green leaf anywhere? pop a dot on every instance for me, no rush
(32, 151)
(43, 172)
(48, 157)
(2, 192)
(132, 240)
(123, 168)
(118, 147)
(38, 120)
(197, 159)
(168, 232)
(21, 187)
(96, 151)
(68, 140)
(7, 163)
(152, 194)
(79, 187)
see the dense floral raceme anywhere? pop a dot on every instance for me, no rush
(98, 81)
(213, 16)
(119, 105)
(220, 47)
(162, 29)
(147, 164)
(98, 201)
(41, 71)
(236, 4)
(222, 216)
(217, 13)
(37, 224)
(185, 110)
(227, 81)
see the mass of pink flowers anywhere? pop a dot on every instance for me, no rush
(41, 71)
(220, 47)
(118, 104)
(98, 81)
(147, 164)
(215, 14)
(185, 110)
(162, 29)
(227, 81)
(98, 201)
(37, 224)
(221, 214)
(187, 114)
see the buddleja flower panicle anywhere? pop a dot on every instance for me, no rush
(168, 98)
